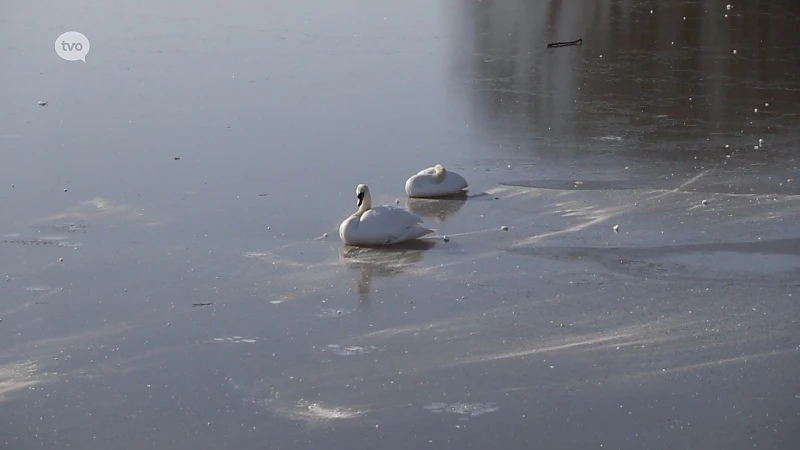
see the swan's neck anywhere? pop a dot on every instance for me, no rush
(439, 173)
(366, 204)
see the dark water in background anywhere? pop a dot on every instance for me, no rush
(656, 85)
(677, 332)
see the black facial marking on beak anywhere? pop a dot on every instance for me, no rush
(360, 198)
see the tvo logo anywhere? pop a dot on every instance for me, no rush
(72, 46)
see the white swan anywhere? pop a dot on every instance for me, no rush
(382, 225)
(435, 182)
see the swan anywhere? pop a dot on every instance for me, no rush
(435, 182)
(382, 225)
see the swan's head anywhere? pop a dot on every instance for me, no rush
(438, 173)
(361, 191)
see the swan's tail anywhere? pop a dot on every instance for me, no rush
(424, 231)
(418, 231)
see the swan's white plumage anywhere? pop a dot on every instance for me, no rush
(435, 182)
(382, 225)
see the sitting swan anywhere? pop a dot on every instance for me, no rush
(382, 225)
(435, 182)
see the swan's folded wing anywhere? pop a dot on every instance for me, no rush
(387, 224)
(428, 171)
(390, 214)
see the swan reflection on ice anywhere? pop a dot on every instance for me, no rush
(381, 262)
(438, 209)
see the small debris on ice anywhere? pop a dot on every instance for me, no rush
(616, 228)
(504, 228)
(705, 202)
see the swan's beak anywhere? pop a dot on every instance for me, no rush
(360, 198)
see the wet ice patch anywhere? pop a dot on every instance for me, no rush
(17, 376)
(255, 255)
(258, 401)
(236, 340)
(35, 241)
(608, 138)
(322, 412)
(65, 228)
(352, 350)
(467, 409)
(274, 259)
(54, 238)
(315, 413)
(96, 208)
(330, 312)
(37, 288)
(58, 241)
(736, 263)
(42, 291)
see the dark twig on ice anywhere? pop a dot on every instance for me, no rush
(564, 44)
(202, 304)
